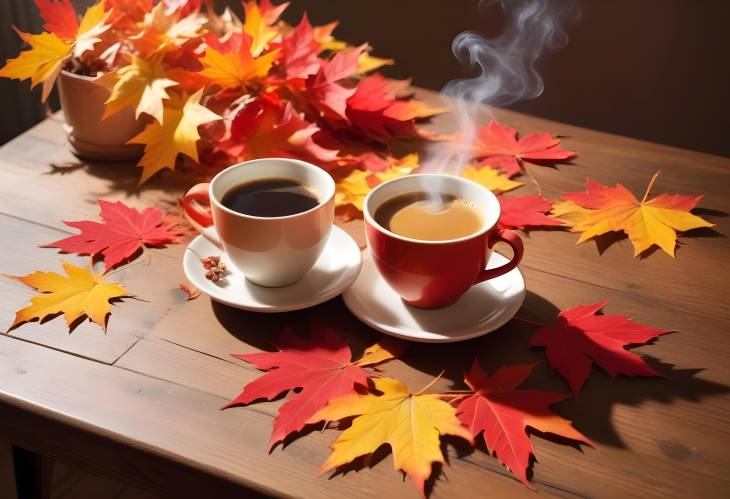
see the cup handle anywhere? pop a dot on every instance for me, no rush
(509, 237)
(196, 206)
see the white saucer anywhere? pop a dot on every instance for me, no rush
(482, 309)
(336, 269)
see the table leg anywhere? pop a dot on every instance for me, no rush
(7, 470)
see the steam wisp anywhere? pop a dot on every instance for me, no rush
(507, 72)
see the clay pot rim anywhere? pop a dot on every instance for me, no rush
(81, 77)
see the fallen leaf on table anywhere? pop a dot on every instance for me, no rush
(320, 367)
(77, 294)
(122, 232)
(190, 290)
(262, 129)
(299, 51)
(525, 212)
(367, 63)
(177, 134)
(490, 178)
(140, 85)
(324, 93)
(374, 110)
(502, 413)
(411, 424)
(498, 147)
(603, 209)
(257, 27)
(580, 338)
(352, 188)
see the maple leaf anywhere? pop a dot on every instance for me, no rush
(41, 63)
(320, 366)
(183, 7)
(59, 18)
(271, 13)
(410, 423)
(257, 28)
(579, 338)
(604, 209)
(77, 294)
(352, 188)
(300, 51)
(501, 414)
(125, 14)
(490, 178)
(327, 42)
(49, 51)
(140, 85)
(522, 212)
(163, 31)
(262, 129)
(324, 92)
(236, 69)
(374, 109)
(177, 134)
(122, 232)
(367, 63)
(498, 147)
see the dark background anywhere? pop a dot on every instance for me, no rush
(653, 69)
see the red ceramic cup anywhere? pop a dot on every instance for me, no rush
(433, 274)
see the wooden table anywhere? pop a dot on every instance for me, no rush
(141, 403)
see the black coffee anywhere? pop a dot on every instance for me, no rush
(271, 197)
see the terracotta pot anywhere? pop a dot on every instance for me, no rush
(82, 100)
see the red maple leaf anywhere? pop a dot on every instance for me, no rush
(60, 17)
(579, 338)
(264, 129)
(320, 367)
(522, 212)
(502, 414)
(122, 232)
(498, 147)
(299, 54)
(271, 13)
(324, 93)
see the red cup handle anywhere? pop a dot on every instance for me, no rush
(196, 204)
(509, 237)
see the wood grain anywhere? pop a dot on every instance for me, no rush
(140, 404)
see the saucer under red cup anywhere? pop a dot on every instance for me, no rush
(434, 274)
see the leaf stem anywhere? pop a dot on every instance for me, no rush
(431, 383)
(651, 184)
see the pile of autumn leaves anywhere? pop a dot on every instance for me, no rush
(326, 386)
(218, 90)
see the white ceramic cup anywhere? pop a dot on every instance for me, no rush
(269, 251)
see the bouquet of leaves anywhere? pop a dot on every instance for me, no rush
(217, 90)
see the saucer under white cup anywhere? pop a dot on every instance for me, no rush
(482, 309)
(337, 268)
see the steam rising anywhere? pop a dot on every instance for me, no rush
(506, 70)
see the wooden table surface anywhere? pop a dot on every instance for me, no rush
(141, 402)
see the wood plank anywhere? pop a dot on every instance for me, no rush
(661, 421)
(130, 319)
(181, 425)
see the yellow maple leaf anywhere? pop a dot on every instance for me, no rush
(410, 423)
(177, 134)
(603, 209)
(140, 85)
(490, 178)
(78, 293)
(353, 188)
(367, 62)
(236, 69)
(162, 30)
(92, 25)
(256, 27)
(41, 63)
(48, 53)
